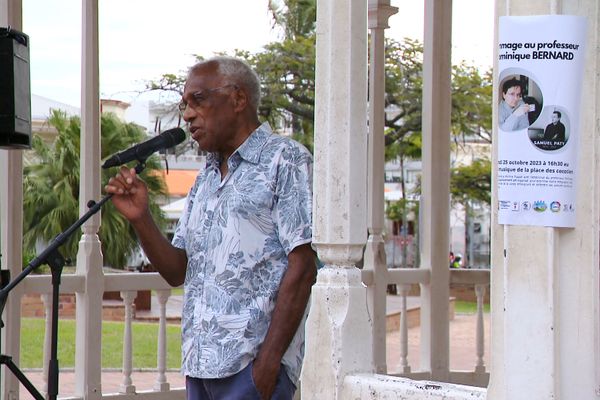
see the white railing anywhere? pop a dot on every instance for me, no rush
(404, 278)
(128, 284)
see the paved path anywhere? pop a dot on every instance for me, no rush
(111, 382)
(462, 356)
(173, 309)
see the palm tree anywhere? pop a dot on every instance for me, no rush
(51, 188)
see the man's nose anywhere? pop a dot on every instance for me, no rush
(188, 113)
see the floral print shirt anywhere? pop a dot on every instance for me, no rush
(237, 233)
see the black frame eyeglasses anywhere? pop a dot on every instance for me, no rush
(202, 95)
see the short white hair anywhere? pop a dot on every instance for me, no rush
(238, 72)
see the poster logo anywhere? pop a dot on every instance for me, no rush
(539, 205)
(504, 205)
(555, 206)
(515, 206)
(526, 206)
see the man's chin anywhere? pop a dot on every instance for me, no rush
(204, 146)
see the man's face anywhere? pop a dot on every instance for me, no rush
(208, 110)
(512, 96)
(555, 118)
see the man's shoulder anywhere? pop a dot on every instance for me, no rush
(288, 142)
(285, 145)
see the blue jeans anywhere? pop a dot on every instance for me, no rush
(237, 387)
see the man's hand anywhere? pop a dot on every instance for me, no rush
(130, 194)
(292, 299)
(264, 375)
(523, 109)
(130, 197)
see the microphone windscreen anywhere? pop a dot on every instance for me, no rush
(174, 135)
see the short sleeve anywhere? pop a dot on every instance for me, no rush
(179, 237)
(293, 206)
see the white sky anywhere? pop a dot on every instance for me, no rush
(142, 39)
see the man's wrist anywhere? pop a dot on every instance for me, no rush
(142, 221)
(267, 361)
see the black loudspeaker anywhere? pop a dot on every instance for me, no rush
(15, 90)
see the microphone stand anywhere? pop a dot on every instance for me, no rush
(55, 260)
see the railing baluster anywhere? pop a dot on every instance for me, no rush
(87, 301)
(404, 366)
(480, 292)
(47, 302)
(161, 383)
(127, 385)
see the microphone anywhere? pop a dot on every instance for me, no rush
(142, 151)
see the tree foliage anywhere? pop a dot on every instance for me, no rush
(396, 210)
(297, 18)
(170, 83)
(403, 89)
(287, 72)
(471, 113)
(51, 188)
(472, 182)
(471, 102)
(287, 75)
(471, 91)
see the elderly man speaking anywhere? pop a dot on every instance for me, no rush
(242, 246)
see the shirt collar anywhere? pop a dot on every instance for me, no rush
(212, 160)
(250, 150)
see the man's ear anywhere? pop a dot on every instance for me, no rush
(240, 100)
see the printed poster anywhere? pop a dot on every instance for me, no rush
(540, 68)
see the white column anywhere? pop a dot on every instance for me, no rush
(338, 327)
(435, 188)
(89, 258)
(11, 218)
(90, 183)
(11, 230)
(545, 297)
(379, 12)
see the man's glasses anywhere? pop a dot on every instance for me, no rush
(199, 97)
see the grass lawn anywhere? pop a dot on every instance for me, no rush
(468, 307)
(145, 340)
(144, 336)
(175, 292)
